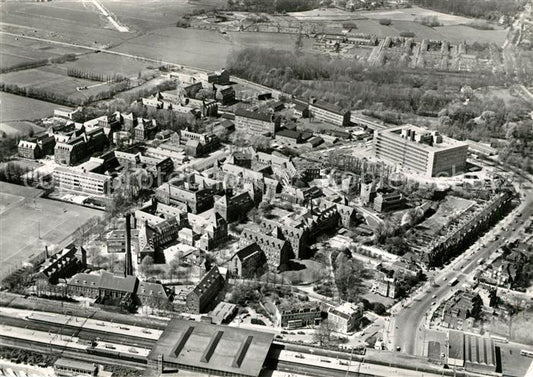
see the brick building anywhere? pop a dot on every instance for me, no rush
(204, 295)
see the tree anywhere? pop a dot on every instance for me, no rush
(147, 265)
(322, 334)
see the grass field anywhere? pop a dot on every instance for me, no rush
(18, 128)
(14, 108)
(23, 215)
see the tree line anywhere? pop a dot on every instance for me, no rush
(487, 9)
(93, 76)
(38, 63)
(279, 6)
(351, 84)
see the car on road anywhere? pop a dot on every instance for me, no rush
(434, 296)
(398, 348)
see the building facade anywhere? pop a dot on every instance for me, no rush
(419, 150)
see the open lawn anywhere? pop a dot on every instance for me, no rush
(18, 128)
(14, 108)
(29, 222)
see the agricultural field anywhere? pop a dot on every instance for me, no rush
(63, 21)
(52, 80)
(459, 33)
(106, 64)
(412, 14)
(15, 108)
(15, 50)
(143, 16)
(29, 222)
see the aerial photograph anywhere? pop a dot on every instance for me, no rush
(266, 188)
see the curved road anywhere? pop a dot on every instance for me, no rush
(409, 335)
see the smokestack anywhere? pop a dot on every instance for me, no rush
(46, 251)
(83, 257)
(128, 268)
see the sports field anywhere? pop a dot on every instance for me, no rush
(28, 223)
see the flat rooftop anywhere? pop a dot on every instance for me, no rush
(214, 347)
(446, 143)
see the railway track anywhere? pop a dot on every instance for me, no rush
(52, 350)
(75, 331)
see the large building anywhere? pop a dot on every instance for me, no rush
(204, 295)
(256, 123)
(329, 113)
(209, 349)
(79, 180)
(420, 150)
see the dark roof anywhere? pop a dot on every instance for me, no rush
(151, 289)
(301, 106)
(213, 347)
(248, 250)
(329, 107)
(316, 140)
(208, 279)
(290, 134)
(118, 283)
(105, 280)
(456, 345)
(254, 115)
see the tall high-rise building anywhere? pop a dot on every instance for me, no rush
(420, 150)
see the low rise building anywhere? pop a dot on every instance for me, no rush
(247, 261)
(277, 251)
(388, 201)
(329, 113)
(37, 147)
(223, 313)
(75, 179)
(302, 315)
(205, 294)
(346, 317)
(256, 123)
(62, 265)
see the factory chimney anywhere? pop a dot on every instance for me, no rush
(83, 257)
(128, 267)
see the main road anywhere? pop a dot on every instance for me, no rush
(409, 322)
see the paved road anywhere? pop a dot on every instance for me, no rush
(410, 321)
